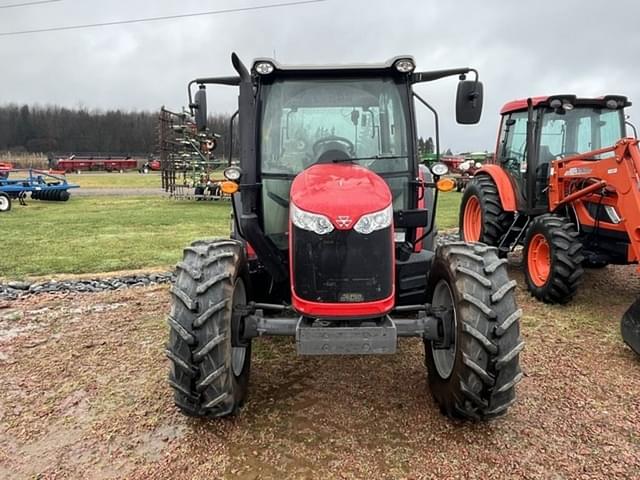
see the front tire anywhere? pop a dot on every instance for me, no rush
(482, 218)
(552, 259)
(209, 375)
(475, 377)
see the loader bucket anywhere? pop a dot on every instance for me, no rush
(630, 326)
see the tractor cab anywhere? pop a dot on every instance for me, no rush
(308, 118)
(537, 131)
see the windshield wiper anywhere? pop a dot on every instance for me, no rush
(376, 157)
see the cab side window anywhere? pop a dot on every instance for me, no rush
(513, 143)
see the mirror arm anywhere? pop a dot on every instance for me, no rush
(432, 223)
(436, 120)
(419, 77)
(191, 106)
(633, 127)
(233, 81)
(233, 117)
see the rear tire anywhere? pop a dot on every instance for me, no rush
(482, 218)
(476, 377)
(552, 259)
(5, 202)
(209, 376)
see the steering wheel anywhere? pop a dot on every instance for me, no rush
(333, 138)
(511, 163)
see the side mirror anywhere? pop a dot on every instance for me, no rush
(469, 102)
(200, 107)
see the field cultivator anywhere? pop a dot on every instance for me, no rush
(565, 187)
(17, 183)
(189, 168)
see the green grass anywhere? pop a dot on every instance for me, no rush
(447, 213)
(102, 234)
(116, 180)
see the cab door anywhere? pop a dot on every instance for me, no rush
(512, 154)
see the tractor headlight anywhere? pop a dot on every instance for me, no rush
(374, 221)
(312, 222)
(439, 169)
(232, 173)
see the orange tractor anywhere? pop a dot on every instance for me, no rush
(566, 186)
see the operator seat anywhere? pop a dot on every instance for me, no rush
(544, 159)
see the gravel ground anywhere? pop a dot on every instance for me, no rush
(84, 395)
(11, 290)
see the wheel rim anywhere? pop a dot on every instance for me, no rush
(4, 203)
(539, 260)
(238, 354)
(472, 222)
(445, 358)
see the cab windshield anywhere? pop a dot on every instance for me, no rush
(580, 130)
(315, 120)
(570, 132)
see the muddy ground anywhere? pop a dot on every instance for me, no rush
(83, 395)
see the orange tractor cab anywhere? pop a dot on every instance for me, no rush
(566, 186)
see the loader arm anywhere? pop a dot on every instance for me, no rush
(612, 181)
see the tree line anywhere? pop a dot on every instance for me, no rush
(54, 129)
(37, 129)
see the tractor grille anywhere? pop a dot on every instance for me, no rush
(342, 266)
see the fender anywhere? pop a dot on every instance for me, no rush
(502, 181)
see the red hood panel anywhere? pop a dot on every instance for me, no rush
(340, 190)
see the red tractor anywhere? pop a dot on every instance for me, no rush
(333, 243)
(565, 186)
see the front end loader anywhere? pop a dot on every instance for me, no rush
(566, 187)
(333, 243)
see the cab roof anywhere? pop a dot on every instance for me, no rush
(354, 67)
(521, 104)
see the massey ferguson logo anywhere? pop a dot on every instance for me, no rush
(343, 221)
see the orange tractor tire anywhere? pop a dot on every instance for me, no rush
(482, 218)
(552, 259)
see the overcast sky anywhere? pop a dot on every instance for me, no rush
(520, 48)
